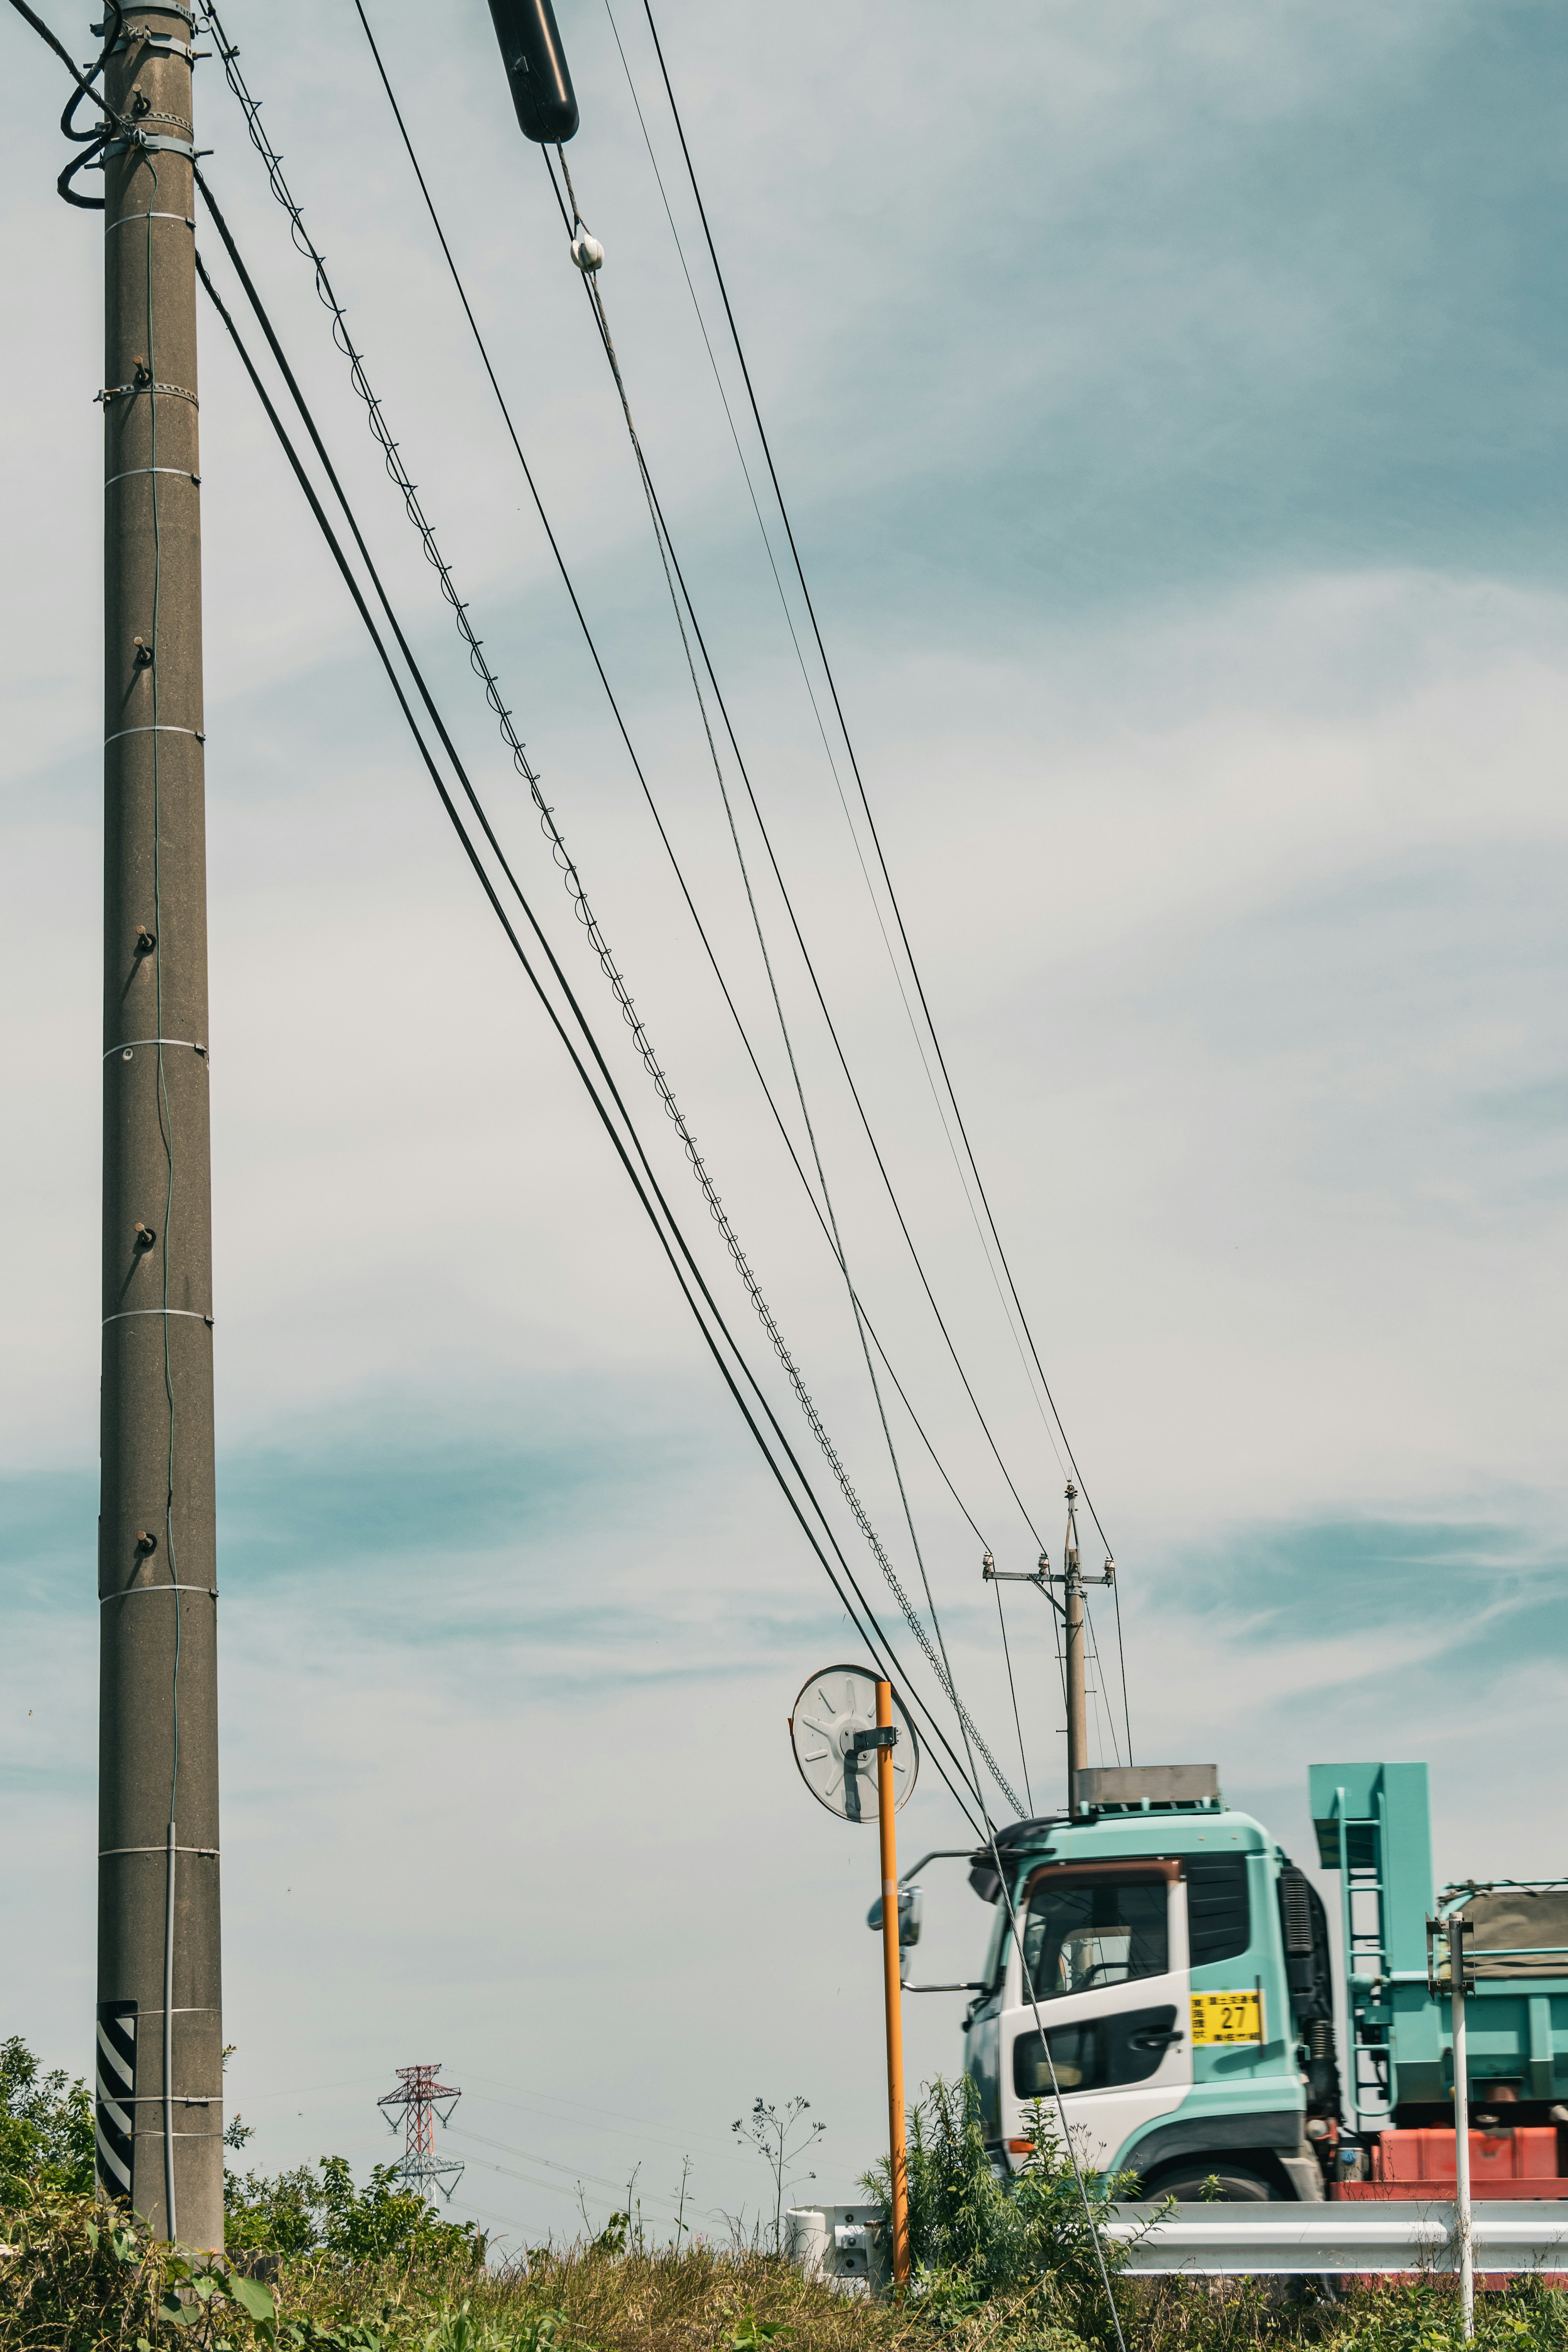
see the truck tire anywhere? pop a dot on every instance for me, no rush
(1196, 2184)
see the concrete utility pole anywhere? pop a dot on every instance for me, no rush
(1070, 1607)
(1077, 1696)
(1072, 1584)
(160, 2038)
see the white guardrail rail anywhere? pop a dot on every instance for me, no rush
(1360, 2234)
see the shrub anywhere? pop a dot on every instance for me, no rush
(46, 2126)
(78, 2277)
(317, 2209)
(1033, 2241)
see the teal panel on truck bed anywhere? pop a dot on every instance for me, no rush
(1374, 1827)
(1378, 1817)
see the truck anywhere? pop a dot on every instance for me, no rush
(1173, 1982)
(1180, 1966)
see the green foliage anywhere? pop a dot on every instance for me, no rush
(754, 2334)
(1528, 2317)
(77, 2276)
(313, 2335)
(1000, 2267)
(1036, 2241)
(317, 2209)
(46, 2126)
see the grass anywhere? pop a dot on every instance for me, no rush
(316, 2265)
(77, 2282)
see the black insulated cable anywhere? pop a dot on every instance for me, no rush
(849, 741)
(663, 836)
(669, 846)
(397, 470)
(875, 1640)
(667, 543)
(94, 141)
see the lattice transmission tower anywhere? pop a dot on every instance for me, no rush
(420, 2097)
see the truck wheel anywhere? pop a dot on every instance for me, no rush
(1198, 2184)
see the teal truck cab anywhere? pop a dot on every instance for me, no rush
(1179, 1964)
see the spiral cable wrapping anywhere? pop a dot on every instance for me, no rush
(398, 473)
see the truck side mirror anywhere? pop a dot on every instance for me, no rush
(912, 1903)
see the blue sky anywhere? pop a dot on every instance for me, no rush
(1172, 419)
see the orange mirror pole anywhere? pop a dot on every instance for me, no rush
(893, 1991)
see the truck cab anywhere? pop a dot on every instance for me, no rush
(1178, 1965)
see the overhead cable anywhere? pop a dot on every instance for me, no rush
(647, 793)
(762, 826)
(939, 1660)
(399, 474)
(855, 767)
(688, 1273)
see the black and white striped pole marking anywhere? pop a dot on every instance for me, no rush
(115, 2104)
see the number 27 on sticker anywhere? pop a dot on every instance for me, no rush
(1227, 2017)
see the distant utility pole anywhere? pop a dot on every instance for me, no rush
(160, 2038)
(1070, 1614)
(419, 2098)
(1072, 1583)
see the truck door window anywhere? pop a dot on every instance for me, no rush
(1219, 1917)
(1082, 1934)
(1125, 2047)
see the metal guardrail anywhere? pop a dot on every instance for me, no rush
(1365, 2234)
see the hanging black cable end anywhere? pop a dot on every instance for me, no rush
(536, 69)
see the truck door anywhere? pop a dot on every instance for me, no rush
(1105, 1946)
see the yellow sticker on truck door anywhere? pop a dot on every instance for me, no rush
(1227, 2017)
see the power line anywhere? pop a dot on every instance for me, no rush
(855, 767)
(543, 2104)
(667, 555)
(454, 818)
(577, 608)
(672, 1239)
(827, 748)
(398, 472)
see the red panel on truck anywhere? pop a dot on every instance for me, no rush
(1523, 2163)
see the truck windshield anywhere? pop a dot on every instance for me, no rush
(1085, 1932)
